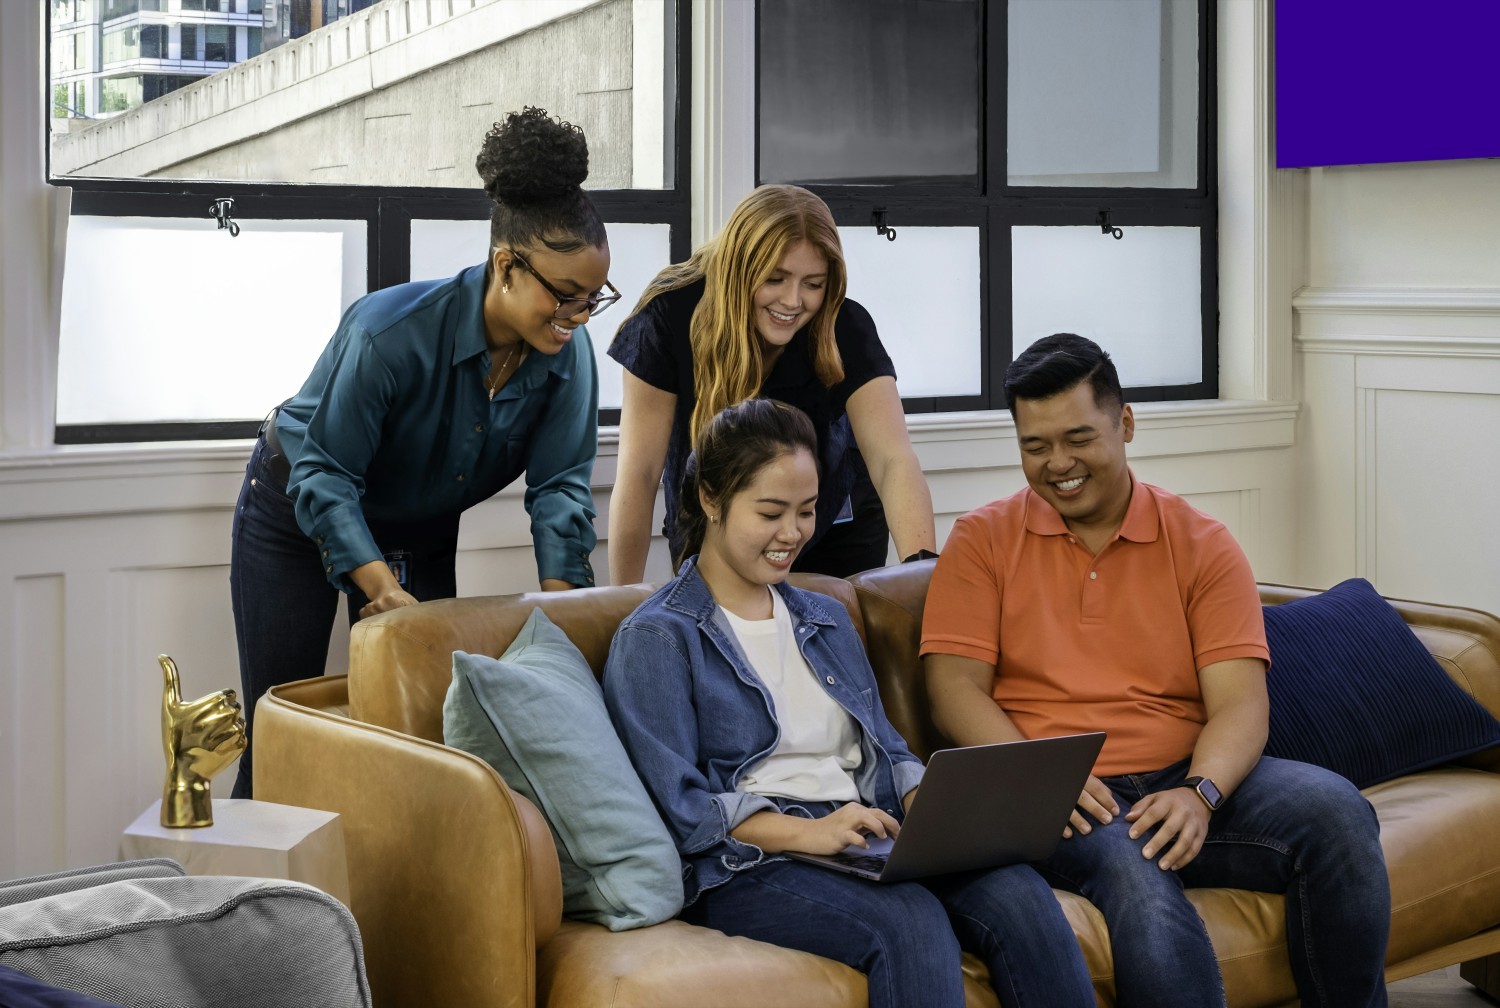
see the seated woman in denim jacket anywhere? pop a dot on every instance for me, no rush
(751, 713)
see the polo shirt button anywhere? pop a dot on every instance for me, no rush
(320, 540)
(252, 481)
(1093, 575)
(325, 554)
(327, 570)
(831, 681)
(479, 428)
(460, 477)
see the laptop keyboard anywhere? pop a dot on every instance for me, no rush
(864, 862)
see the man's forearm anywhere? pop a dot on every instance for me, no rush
(1228, 749)
(1234, 735)
(962, 707)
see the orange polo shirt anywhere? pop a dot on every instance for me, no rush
(1107, 643)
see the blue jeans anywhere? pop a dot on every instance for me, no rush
(1288, 828)
(284, 605)
(906, 936)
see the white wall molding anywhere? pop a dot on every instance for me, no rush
(147, 479)
(1366, 468)
(1398, 301)
(31, 253)
(959, 442)
(1262, 214)
(1403, 321)
(723, 111)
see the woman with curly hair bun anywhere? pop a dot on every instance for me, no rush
(760, 311)
(430, 398)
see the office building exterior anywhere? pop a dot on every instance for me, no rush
(110, 56)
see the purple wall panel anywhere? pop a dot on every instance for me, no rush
(1365, 81)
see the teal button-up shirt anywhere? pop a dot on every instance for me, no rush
(395, 421)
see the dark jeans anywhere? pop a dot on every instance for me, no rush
(849, 547)
(284, 605)
(1288, 828)
(906, 937)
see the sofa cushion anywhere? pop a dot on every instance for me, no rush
(21, 990)
(1353, 689)
(184, 942)
(536, 714)
(24, 890)
(681, 965)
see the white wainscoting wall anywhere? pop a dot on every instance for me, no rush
(1397, 347)
(1400, 471)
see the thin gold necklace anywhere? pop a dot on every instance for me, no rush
(493, 384)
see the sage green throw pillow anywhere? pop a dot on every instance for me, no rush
(536, 714)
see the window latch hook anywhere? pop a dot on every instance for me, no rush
(881, 227)
(222, 210)
(1105, 227)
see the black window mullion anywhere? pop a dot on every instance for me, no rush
(999, 350)
(390, 245)
(996, 109)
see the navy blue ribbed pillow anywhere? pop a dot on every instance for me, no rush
(1353, 689)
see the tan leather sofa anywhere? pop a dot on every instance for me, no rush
(454, 879)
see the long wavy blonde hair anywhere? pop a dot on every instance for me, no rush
(728, 360)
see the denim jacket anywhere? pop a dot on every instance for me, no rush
(695, 717)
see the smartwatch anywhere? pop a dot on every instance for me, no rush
(923, 554)
(1206, 790)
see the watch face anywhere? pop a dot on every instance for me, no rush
(1209, 792)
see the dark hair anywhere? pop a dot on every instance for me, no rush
(533, 167)
(1055, 364)
(736, 444)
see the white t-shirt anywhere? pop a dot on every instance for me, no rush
(819, 746)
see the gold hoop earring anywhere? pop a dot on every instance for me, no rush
(505, 288)
(714, 518)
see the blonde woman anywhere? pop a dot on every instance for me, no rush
(760, 312)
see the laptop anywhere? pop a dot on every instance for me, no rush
(979, 807)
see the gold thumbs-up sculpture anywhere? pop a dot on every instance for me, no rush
(201, 737)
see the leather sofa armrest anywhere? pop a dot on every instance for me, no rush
(891, 601)
(447, 866)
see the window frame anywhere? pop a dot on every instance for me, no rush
(995, 207)
(387, 210)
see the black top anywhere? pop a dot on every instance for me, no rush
(655, 347)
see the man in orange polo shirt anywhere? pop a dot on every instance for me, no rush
(1093, 602)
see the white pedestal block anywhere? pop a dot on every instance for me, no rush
(250, 838)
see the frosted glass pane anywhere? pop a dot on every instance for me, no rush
(168, 319)
(1102, 93)
(923, 290)
(440, 248)
(1139, 298)
(637, 253)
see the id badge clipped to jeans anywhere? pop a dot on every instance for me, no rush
(399, 562)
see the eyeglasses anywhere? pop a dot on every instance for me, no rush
(567, 306)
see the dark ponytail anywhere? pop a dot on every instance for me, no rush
(731, 449)
(533, 167)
